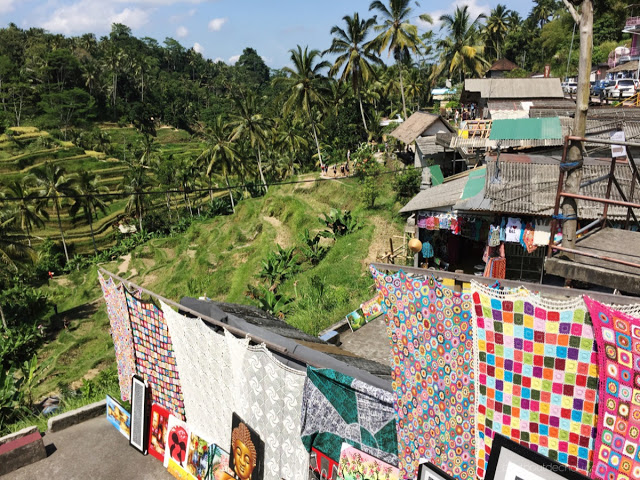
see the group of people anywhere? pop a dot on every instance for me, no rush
(466, 112)
(344, 168)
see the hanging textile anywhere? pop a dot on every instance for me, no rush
(422, 221)
(430, 223)
(536, 376)
(542, 234)
(496, 267)
(527, 237)
(430, 332)
(454, 225)
(427, 249)
(618, 336)
(222, 374)
(337, 408)
(120, 333)
(155, 359)
(494, 236)
(513, 230)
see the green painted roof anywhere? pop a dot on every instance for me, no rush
(526, 129)
(475, 183)
(436, 175)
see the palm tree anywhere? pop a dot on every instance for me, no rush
(306, 86)
(135, 183)
(496, 28)
(290, 141)
(90, 200)
(397, 34)
(185, 175)
(356, 56)
(542, 10)
(56, 185)
(247, 123)
(221, 155)
(29, 211)
(461, 49)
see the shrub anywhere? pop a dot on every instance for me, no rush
(311, 248)
(339, 223)
(279, 266)
(269, 301)
(407, 183)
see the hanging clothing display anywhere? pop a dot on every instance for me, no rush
(337, 408)
(454, 225)
(496, 267)
(430, 332)
(616, 451)
(494, 236)
(536, 376)
(542, 234)
(422, 221)
(513, 230)
(527, 237)
(427, 250)
(120, 333)
(155, 359)
(430, 223)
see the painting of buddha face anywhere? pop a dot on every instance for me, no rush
(247, 451)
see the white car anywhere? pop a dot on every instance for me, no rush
(621, 88)
(570, 87)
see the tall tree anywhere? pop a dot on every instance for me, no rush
(496, 28)
(461, 48)
(57, 186)
(29, 211)
(398, 34)
(356, 56)
(90, 200)
(306, 86)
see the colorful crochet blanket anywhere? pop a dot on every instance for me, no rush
(617, 456)
(537, 376)
(337, 408)
(431, 336)
(155, 359)
(120, 333)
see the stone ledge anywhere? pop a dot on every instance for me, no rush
(68, 419)
(19, 434)
(22, 451)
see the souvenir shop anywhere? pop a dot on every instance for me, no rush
(506, 380)
(490, 245)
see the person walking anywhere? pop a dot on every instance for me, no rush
(457, 117)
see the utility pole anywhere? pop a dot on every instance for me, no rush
(574, 158)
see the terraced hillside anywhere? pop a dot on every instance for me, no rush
(24, 149)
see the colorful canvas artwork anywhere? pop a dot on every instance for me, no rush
(356, 320)
(247, 451)
(374, 308)
(158, 426)
(220, 465)
(357, 465)
(617, 455)
(155, 359)
(431, 336)
(118, 417)
(120, 333)
(338, 408)
(177, 443)
(198, 455)
(325, 467)
(537, 376)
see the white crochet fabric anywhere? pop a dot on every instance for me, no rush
(222, 374)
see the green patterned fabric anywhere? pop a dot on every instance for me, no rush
(337, 408)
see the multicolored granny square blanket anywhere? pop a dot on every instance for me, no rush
(431, 336)
(337, 408)
(154, 354)
(537, 376)
(120, 333)
(617, 456)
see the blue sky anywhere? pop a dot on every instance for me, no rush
(219, 29)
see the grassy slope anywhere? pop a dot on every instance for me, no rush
(220, 257)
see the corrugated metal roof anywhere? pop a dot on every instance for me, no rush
(526, 129)
(428, 145)
(475, 184)
(440, 197)
(416, 124)
(522, 88)
(527, 185)
(437, 178)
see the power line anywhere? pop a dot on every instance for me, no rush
(202, 190)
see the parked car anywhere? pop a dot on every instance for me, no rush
(621, 88)
(570, 87)
(598, 86)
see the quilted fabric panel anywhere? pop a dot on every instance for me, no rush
(155, 359)
(617, 452)
(431, 336)
(537, 377)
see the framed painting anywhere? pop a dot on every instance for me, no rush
(246, 460)
(373, 308)
(140, 411)
(118, 416)
(158, 431)
(356, 464)
(511, 461)
(429, 471)
(356, 320)
(175, 451)
(220, 465)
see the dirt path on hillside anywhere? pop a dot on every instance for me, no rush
(383, 231)
(283, 237)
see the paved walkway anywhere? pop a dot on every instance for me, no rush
(91, 450)
(370, 341)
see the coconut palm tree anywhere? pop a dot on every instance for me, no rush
(57, 186)
(461, 50)
(221, 155)
(248, 124)
(29, 211)
(90, 201)
(306, 86)
(542, 10)
(290, 142)
(135, 183)
(356, 56)
(398, 34)
(496, 28)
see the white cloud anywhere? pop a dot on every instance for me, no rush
(475, 9)
(233, 59)
(182, 16)
(182, 31)
(93, 16)
(218, 59)
(216, 24)
(6, 6)
(198, 48)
